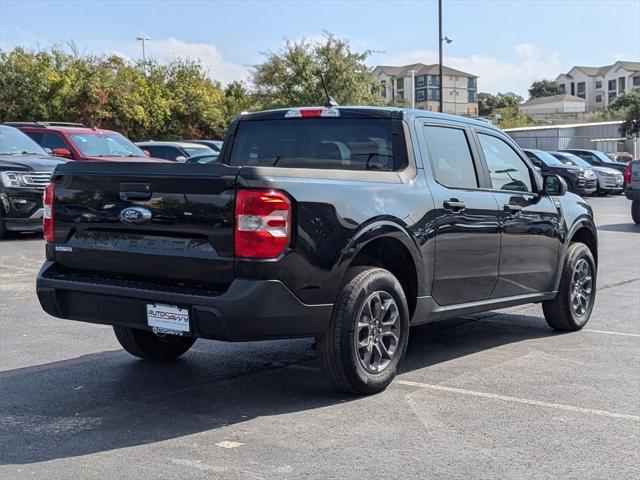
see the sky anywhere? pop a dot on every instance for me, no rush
(507, 43)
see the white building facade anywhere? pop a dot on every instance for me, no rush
(460, 89)
(553, 105)
(599, 86)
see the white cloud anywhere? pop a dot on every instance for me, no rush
(495, 74)
(216, 66)
(527, 50)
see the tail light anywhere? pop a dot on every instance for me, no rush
(263, 223)
(627, 174)
(48, 219)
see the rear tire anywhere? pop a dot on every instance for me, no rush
(368, 334)
(635, 211)
(571, 309)
(149, 346)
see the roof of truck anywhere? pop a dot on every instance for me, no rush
(371, 112)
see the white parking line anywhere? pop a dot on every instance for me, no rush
(609, 332)
(526, 401)
(495, 396)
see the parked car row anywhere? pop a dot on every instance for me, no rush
(75, 141)
(585, 171)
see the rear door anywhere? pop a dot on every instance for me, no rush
(467, 235)
(530, 237)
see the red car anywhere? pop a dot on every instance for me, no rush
(78, 142)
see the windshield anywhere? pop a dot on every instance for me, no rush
(603, 156)
(548, 159)
(191, 151)
(13, 141)
(573, 159)
(346, 144)
(96, 144)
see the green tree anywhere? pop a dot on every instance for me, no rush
(236, 99)
(629, 105)
(160, 101)
(487, 102)
(543, 88)
(292, 75)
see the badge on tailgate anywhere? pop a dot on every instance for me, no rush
(168, 319)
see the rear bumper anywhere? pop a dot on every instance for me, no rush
(32, 223)
(633, 194)
(248, 310)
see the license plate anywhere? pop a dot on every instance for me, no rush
(168, 318)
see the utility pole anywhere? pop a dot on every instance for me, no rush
(143, 39)
(440, 54)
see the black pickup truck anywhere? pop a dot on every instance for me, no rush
(348, 224)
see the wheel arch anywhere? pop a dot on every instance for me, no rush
(387, 245)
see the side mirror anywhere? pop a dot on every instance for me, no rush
(554, 185)
(147, 153)
(180, 158)
(62, 152)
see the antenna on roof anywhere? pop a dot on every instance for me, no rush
(330, 100)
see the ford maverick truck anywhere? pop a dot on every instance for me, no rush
(347, 224)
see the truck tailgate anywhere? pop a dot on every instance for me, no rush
(180, 232)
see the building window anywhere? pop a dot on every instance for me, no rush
(636, 81)
(472, 82)
(434, 94)
(473, 97)
(400, 95)
(400, 84)
(420, 95)
(598, 83)
(573, 88)
(612, 85)
(621, 84)
(420, 80)
(383, 88)
(598, 98)
(562, 88)
(581, 88)
(612, 96)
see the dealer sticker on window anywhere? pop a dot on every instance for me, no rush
(167, 318)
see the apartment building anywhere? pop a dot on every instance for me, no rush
(599, 86)
(460, 89)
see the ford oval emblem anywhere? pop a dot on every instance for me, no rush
(135, 215)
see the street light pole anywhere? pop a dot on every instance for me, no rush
(143, 39)
(440, 54)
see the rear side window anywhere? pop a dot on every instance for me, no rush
(53, 140)
(451, 157)
(343, 144)
(506, 168)
(167, 153)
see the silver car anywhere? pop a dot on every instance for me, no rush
(610, 180)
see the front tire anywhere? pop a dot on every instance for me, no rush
(635, 211)
(368, 334)
(571, 309)
(149, 346)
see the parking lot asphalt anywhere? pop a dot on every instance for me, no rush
(493, 395)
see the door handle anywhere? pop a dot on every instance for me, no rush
(512, 207)
(454, 205)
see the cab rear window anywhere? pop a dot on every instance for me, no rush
(321, 143)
